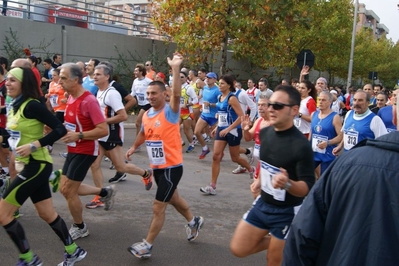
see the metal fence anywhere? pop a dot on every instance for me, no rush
(124, 17)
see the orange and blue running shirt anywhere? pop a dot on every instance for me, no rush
(163, 141)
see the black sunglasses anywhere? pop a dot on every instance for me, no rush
(278, 106)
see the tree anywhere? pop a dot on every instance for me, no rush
(265, 32)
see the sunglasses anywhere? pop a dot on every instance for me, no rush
(278, 106)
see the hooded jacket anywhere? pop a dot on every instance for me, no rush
(351, 216)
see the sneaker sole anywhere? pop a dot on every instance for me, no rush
(137, 255)
(81, 236)
(93, 207)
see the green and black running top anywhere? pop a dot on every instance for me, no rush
(25, 124)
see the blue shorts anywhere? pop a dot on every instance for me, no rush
(209, 120)
(230, 138)
(276, 219)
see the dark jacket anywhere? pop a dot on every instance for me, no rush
(351, 216)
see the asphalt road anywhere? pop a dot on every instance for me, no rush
(111, 232)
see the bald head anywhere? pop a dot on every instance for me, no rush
(21, 62)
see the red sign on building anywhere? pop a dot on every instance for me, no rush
(68, 13)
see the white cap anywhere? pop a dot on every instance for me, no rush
(334, 92)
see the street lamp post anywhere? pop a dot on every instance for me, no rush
(353, 45)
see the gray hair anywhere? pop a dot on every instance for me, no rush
(74, 71)
(328, 94)
(107, 70)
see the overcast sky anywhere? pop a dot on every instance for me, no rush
(388, 12)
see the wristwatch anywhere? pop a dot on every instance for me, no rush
(300, 115)
(33, 148)
(287, 185)
(81, 135)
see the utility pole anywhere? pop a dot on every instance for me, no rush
(349, 82)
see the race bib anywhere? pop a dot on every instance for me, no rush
(257, 151)
(267, 174)
(316, 140)
(222, 119)
(351, 138)
(155, 152)
(297, 122)
(71, 127)
(141, 98)
(13, 140)
(54, 100)
(206, 109)
(182, 102)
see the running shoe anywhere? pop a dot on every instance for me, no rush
(117, 178)
(239, 170)
(140, 250)
(250, 156)
(182, 143)
(76, 232)
(111, 166)
(106, 159)
(55, 182)
(70, 259)
(148, 180)
(109, 199)
(63, 154)
(193, 231)
(190, 149)
(251, 174)
(96, 202)
(195, 141)
(208, 190)
(204, 153)
(36, 261)
(207, 139)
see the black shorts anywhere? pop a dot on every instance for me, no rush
(167, 181)
(109, 145)
(6, 135)
(230, 138)
(31, 182)
(145, 107)
(76, 166)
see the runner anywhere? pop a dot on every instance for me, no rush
(161, 133)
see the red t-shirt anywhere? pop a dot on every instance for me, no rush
(83, 114)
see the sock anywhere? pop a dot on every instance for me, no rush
(205, 148)
(28, 256)
(247, 151)
(59, 227)
(213, 185)
(17, 234)
(192, 222)
(80, 226)
(204, 135)
(70, 249)
(103, 193)
(148, 244)
(146, 174)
